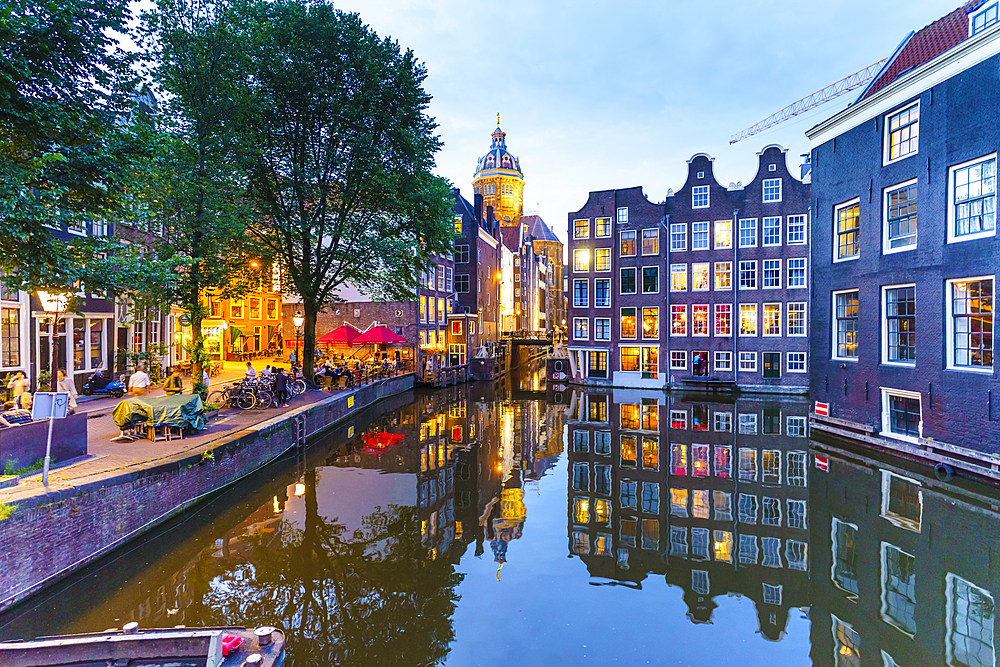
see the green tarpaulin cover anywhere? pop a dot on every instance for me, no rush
(180, 410)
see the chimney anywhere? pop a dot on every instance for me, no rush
(489, 219)
(806, 165)
(478, 199)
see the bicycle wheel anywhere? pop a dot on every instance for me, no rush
(246, 401)
(264, 400)
(218, 398)
(299, 386)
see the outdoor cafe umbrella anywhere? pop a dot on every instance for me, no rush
(342, 335)
(379, 335)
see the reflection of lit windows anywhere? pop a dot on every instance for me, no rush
(969, 622)
(581, 510)
(796, 469)
(899, 581)
(723, 505)
(630, 415)
(770, 512)
(602, 479)
(628, 447)
(650, 415)
(748, 464)
(748, 508)
(678, 459)
(581, 543)
(797, 555)
(580, 444)
(772, 594)
(723, 546)
(699, 582)
(797, 514)
(748, 554)
(678, 419)
(844, 572)
(581, 477)
(602, 441)
(627, 494)
(699, 417)
(651, 534)
(651, 453)
(846, 645)
(679, 502)
(602, 544)
(724, 422)
(699, 504)
(678, 541)
(629, 528)
(770, 547)
(902, 501)
(650, 498)
(699, 543)
(723, 461)
(699, 460)
(770, 466)
(602, 511)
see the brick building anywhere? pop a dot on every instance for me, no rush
(709, 286)
(905, 247)
(547, 244)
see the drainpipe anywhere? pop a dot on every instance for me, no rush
(666, 293)
(735, 318)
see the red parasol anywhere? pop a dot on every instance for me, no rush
(343, 335)
(379, 335)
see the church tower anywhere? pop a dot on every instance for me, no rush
(499, 180)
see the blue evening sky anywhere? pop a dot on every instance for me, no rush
(601, 95)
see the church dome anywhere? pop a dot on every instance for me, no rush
(499, 159)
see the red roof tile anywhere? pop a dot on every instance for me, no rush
(927, 44)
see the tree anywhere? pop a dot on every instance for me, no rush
(337, 150)
(71, 141)
(197, 190)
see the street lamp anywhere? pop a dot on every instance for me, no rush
(297, 320)
(52, 304)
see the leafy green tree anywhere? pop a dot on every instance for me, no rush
(197, 190)
(337, 150)
(71, 139)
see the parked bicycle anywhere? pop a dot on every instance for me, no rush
(235, 395)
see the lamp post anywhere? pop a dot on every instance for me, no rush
(297, 320)
(52, 304)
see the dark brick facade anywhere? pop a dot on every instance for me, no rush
(879, 382)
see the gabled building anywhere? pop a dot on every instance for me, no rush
(905, 250)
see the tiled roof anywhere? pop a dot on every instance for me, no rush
(511, 237)
(927, 44)
(538, 228)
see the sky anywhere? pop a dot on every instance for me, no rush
(603, 95)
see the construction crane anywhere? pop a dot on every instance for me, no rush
(834, 90)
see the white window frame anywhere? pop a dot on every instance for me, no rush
(674, 270)
(708, 276)
(763, 268)
(950, 325)
(684, 309)
(886, 249)
(708, 235)
(788, 362)
(984, 11)
(805, 319)
(715, 320)
(602, 236)
(621, 282)
(833, 320)
(635, 244)
(739, 274)
(708, 319)
(886, 134)
(805, 273)
(642, 241)
(698, 190)
(622, 215)
(678, 354)
(769, 183)
(602, 319)
(836, 230)
(596, 304)
(883, 611)
(884, 327)
(597, 270)
(573, 296)
(763, 241)
(586, 326)
(756, 313)
(715, 234)
(674, 229)
(805, 230)
(763, 320)
(952, 237)
(715, 276)
(887, 392)
(642, 285)
(751, 362)
(950, 579)
(739, 231)
(720, 363)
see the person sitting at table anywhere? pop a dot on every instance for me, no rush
(14, 416)
(173, 384)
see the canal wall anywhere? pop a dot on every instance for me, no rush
(51, 535)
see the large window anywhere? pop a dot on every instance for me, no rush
(580, 326)
(699, 320)
(581, 260)
(723, 234)
(650, 279)
(796, 272)
(748, 233)
(748, 319)
(678, 320)
(772, 231)
(771, 270)
(627, 283)
(899, 579)
(901, 217)
(972, 189)
(796, 319)
(723, 321)
(678, 278)
(650, 323)
(10, 337)
(462, 283)
(581, 229)
(748, 275)
(602, 228)
(628, 323)
(630, 362)
(699, 236)
(580, 296)
(772, 189)
(796, 230)
(461, 254)
(699, 196)
(602, 259)
(602, 329)
(900, 324)
(628, 244)
(699, 277)
(602, 293)
(772, 319)
(970, 624)
(848, 222)
(902, 132)
(723, 275)
(971, 323)
(650, 241)
(901, 414)
(678, 237)
(846, 310)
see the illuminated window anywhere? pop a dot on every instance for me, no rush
(723, 542)
(723, 461)
(679, 502)
(678, 277)
(581, 229)
(650, 415)
(678, 459)
(699, 320)
(650, 241)
(770, 466)
(723, 275)
(597, 409)
(678, 419)
(650, 323)
(630, 416)
(628, 324)
(846, 645)
(902, 133)
(581, 543)
(581, 510)
(970, 325)
(580, 328)
(678, 320)
(748, 319)
(581, 260)
(723, 234)
(627, 246)
(602, 228)
(458, 224)
(602, 260)
(723, 325)
(848, 219)
(846, 307)
(699, 277)
(628, 450)
(630, 359)
(602, 511)
(699, 460)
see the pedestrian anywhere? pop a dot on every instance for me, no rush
(19, 384)
(281, 387)
(138, 382)
(174, 385)
(251, 373)
(204, 377)
(64, 383)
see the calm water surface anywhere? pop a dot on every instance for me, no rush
(467, 527)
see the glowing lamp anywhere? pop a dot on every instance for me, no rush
(297, 320)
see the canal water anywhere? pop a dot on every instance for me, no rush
(489, 526)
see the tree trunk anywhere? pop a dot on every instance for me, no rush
(310, 310)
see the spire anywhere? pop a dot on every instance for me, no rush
(498, 137)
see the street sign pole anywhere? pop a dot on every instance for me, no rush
(49, 405)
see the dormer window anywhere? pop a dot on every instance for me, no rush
(506, 162)
(983, 19)
(489, 162)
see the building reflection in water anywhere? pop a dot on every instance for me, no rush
(712, 495)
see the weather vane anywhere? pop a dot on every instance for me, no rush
(498, 120)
